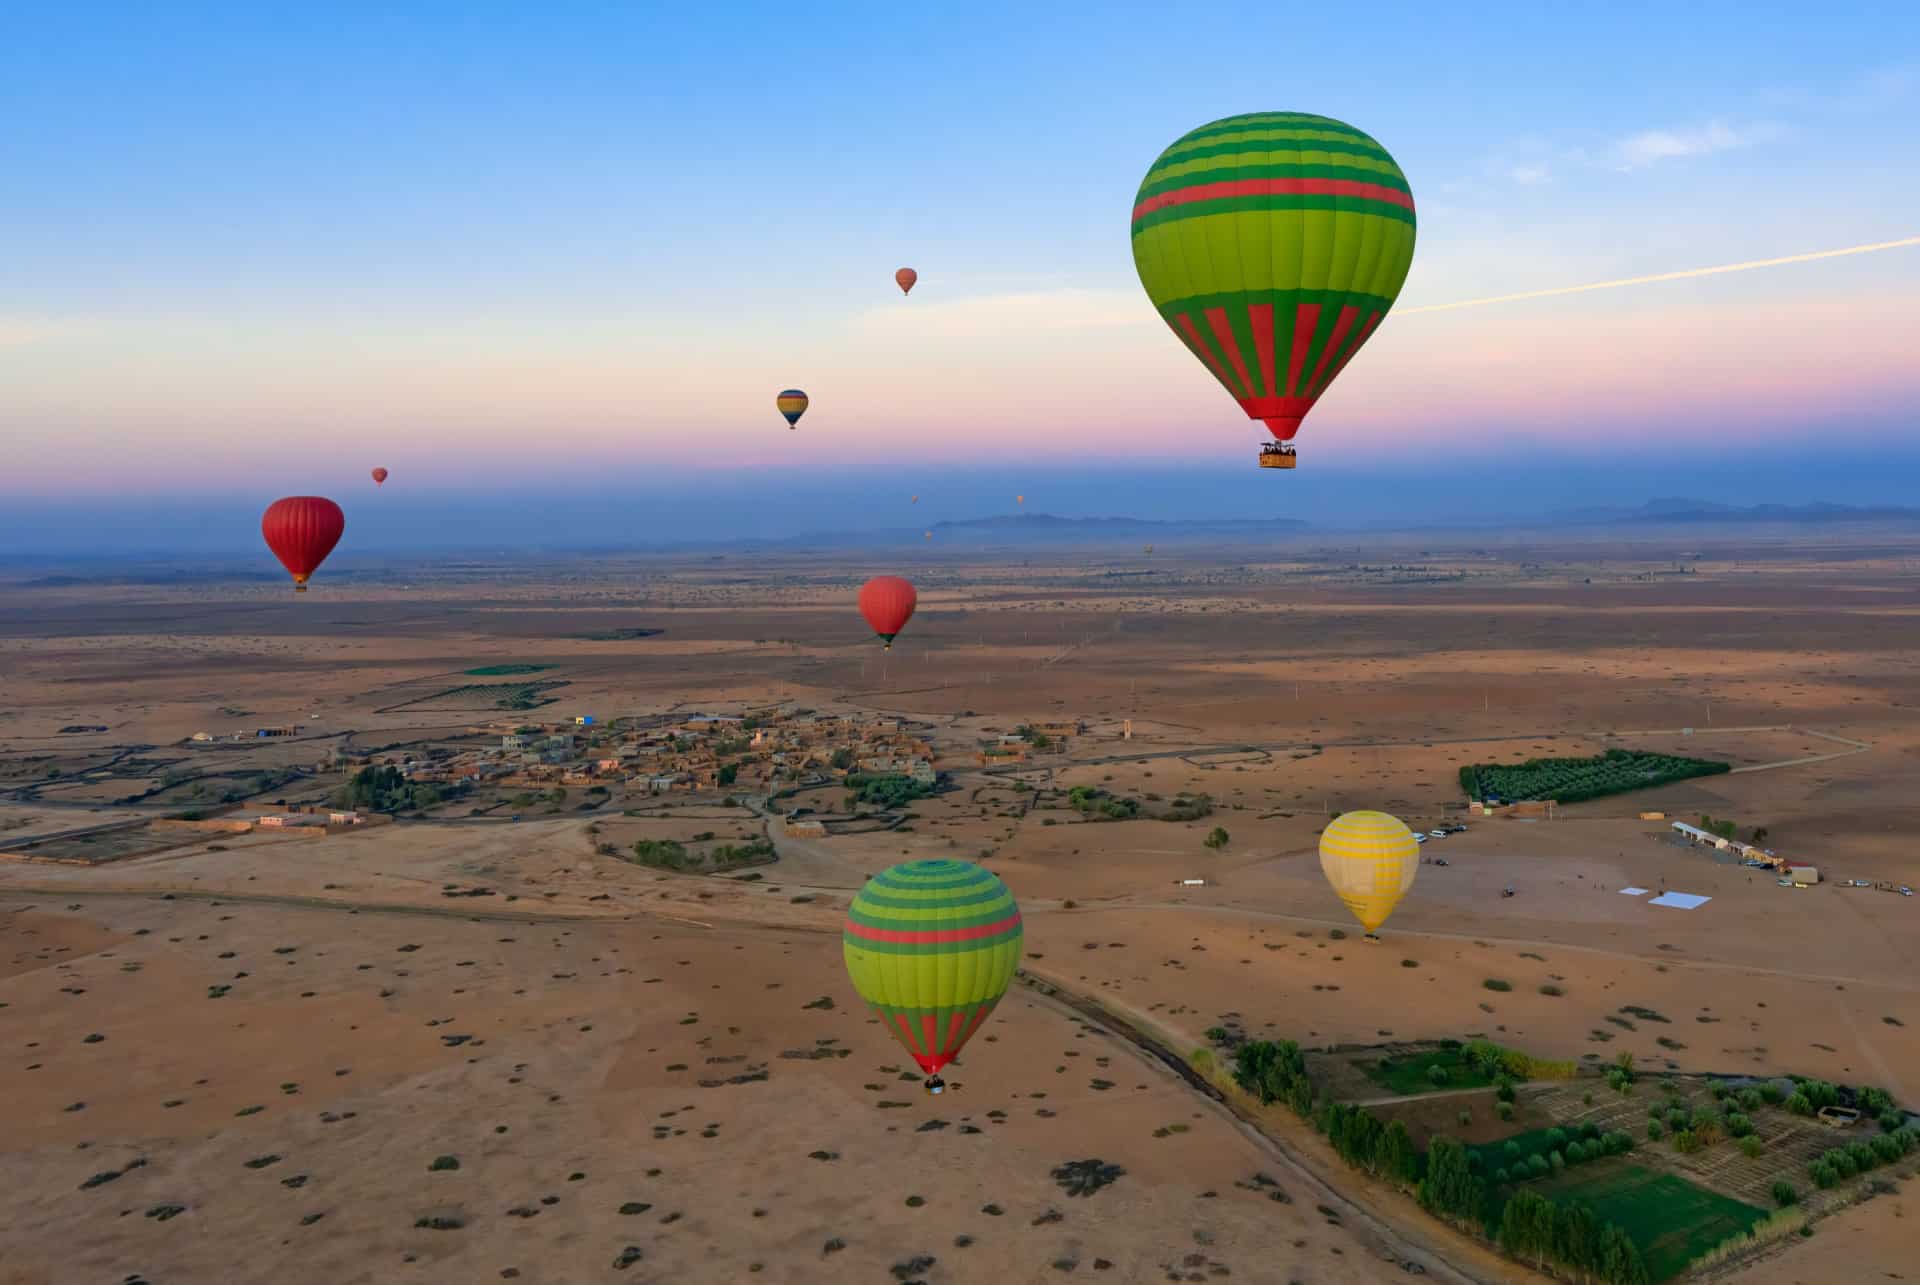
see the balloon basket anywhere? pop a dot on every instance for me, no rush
(1275, 459)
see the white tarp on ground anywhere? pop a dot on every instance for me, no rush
(1633, 892)
(1680, 900)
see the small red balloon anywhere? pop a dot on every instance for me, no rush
(905, 279)
(379, 477)
(302, 530)
(887, 602)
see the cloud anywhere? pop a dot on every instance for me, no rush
(1649, 147)
(1530, 175)
(1029, 312)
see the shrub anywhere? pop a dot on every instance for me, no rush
(1217, 838)
(1537, 1165)
(1556, 1138)
(1654, 1130)
(1684, 1143)
(1504, 1110)
(1465, 1117)
(1497, 984)
(1503, 1089)
(1576, 1153)
(1501, 1176)
(1751, 1147)
(1437, 1075)
(1338, 934)
(1749, 1099)
(1551, 989)
(1557, 1161)
(1770, 1094)
(1784, 1194)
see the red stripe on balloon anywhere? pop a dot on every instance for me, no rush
(932, 937)
(1306, 319)
(1366, 333)
(1340, 328)
(1217, 318)
(1260, 321)
(1199, 346)
(1274, 187)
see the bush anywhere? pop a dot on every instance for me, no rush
(1504, 1110)
(1576, 1153)
(1437, 1075)
(1550, 989)
(1770, 1094)
(1216, 838)
(1784, 1194)
(1556, 1161)
(1751, 1147)
(1497, 984)
(1503, 1089)
(1800, 1104)
(1465, 1117)
(1537, 1165)
(1654, 1130)
(1684, 1142)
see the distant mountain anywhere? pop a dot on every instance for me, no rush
(1027, 530)
(1676, 510)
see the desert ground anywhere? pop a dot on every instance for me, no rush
(242, 1058)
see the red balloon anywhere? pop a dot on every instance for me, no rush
(379, 477)
(905, 279)
(887, 602)
(302, 530)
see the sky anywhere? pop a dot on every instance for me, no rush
(523, 253)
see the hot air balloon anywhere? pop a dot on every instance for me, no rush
(916, 499)
(302, 530)
(931, 947)
(1273, 243)
(887, 602)
(379, 477)
(905, 279)
(1370, 858)
(1019, 499)
(929, 535)
(793, 404)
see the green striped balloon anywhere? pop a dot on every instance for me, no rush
(1273, 244)
(931, 946)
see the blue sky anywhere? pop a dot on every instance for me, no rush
(253, 249)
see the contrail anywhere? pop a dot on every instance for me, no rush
(1670, 276)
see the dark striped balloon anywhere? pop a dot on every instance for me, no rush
(932, 946)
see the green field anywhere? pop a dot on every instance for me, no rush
(1409, 1073)
(502, 671)
(1671, 1220)
(1570, 780)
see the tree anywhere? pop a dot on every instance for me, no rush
(1526, 1226)
(1450, 1187)
(1399, 1158)
(728, 774)
(1620, 1261)
(1216, 838)
(842, 759)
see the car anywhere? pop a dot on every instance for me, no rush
(1419, 838)
(1904, 891)
(1436, 834)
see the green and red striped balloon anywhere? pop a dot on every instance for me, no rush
(931, 946)
(1273, 243)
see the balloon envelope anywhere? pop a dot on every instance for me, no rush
(905, 279)
(792, 404)
(302, 530)
(1370, 858)
(1272, 244)
(931, 947)
(887, 602)
(379, 477)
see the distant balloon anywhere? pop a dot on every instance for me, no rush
(793, 404)
(302, 530)
(929, 535)
(931, 947)
(887, 602)
(1149, 549)
(905, 279)
(1019, 499)
(1272, 244)
(1370, 859)
(916, 499)
(379, 477)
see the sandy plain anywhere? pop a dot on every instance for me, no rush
(1285, 686)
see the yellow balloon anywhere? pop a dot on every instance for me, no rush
(1370, 859)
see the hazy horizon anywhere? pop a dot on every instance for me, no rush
(611, 512)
